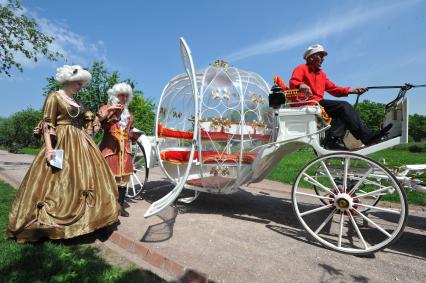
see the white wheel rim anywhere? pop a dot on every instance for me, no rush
(138, 178)
(341, 211)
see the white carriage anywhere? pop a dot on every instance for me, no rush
(215, 131)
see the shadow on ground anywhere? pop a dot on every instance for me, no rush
(275, 212)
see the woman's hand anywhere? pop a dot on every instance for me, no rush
(50, 154)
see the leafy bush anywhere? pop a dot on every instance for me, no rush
(417, 147)
(371, 113)
(17, 130)
(143, 113)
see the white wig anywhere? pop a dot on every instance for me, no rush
(118, 89)
(73, 73)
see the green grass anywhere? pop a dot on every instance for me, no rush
(25, 150)
(56, 262)
(289, 167)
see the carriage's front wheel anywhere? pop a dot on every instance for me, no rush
(140, 171)
(336, 208)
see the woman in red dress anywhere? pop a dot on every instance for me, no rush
(117, 123)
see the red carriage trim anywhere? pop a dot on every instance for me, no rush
(209, 157)
(205, 135)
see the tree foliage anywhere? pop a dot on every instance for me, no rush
(20, 35)
(16, 131)
(417, 127)
(372, 113)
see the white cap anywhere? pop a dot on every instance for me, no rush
(72, 73)
(314, 49)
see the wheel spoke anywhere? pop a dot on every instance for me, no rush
(133, 185)
(339, 242)
(325, 221)
(345, 174)
(361, 181)
(379, 208)
(316, 209)
(316, 183)
(374, 224)
(314, 196)
(374, 192)
(357, 230)
(329, 176)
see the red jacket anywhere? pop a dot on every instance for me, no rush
(317, 81)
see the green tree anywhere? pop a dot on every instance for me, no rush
(17, 130)
(372, 113)
(143, 113)
(21, 35)
(417, 127)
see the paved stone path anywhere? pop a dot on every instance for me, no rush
(250, 236)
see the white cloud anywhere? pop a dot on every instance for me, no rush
(323, 29)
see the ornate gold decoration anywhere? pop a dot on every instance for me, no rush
(225, 171)
(163, 112)
(177, 114)
(215, 95)
(259, 124)
(259, 99)
(226, 95)
(221, 64)
(217, 123)
(215, 171)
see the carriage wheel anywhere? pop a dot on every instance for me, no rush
(320, 173)
(341, 215)
(140, 171)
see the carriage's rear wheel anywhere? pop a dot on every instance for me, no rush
(140, 171)
(336, 199)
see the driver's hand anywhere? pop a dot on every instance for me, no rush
(359, 90)
(305, 89)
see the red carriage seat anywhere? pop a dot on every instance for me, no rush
(208, 157)
(205, 135)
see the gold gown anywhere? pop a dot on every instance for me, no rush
(76, 200)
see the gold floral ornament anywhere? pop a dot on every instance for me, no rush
(163, 112)
(176, 114)
(259, 99)
(221, 64)
(218, 123)
(259, 124)
(225, 171)
(226, 95)
(215, 95)
(215, 171)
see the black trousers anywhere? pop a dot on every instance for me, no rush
(344, 117)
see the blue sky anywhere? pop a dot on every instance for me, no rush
(369, 42)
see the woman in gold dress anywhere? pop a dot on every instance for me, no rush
(82, 196)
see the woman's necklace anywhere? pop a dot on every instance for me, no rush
(71, 102)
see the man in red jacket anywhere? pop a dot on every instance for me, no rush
(311, 80)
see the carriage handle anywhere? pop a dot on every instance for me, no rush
(403, 89)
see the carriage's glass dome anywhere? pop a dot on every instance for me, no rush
(234, 118)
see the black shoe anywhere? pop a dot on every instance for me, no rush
(334, 143)
(123, 212)
(121, 200)
(377, 136)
